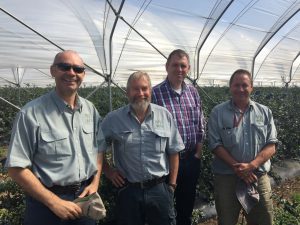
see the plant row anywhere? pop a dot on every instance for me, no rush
(283, 102)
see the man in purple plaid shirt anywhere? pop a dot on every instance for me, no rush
(184, 102)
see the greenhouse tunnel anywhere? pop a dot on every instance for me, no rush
(118, 37)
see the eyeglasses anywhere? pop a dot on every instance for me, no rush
(67, 67)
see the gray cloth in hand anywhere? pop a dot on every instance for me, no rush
(92, 206)
(247, 195)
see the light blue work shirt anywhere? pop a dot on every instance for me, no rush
(255, 130)
(58, 144)
(141, 150)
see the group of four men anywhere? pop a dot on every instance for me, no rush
(58, 142)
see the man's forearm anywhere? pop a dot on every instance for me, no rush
(264, 155)
(198, 152)
(223, 154)
(97, 176)
(31, 185)
(174, 164)
(106, 168)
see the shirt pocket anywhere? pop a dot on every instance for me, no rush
(260, 134)
(123, 140)
(88, 136)
(160, 140)
(55, 144)
(229, 137)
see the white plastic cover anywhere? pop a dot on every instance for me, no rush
(227, 34)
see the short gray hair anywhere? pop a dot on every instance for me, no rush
(136, 76)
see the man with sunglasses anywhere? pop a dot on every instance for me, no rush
(55, 153)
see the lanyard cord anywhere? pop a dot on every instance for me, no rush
(236, 122)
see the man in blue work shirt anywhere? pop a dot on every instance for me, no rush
(242, 136)
(55, 148)
(146, 143)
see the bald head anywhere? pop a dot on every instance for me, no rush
(64, 54)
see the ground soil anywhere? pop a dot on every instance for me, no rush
(285, 190)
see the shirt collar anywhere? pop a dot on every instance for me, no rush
(62, 105)
(78, 104)
(232, 107)
(183, 85)
(130, 112)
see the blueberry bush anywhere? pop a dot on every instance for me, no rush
(284, 103)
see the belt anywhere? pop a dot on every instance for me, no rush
(185, 153)
(70, 189)
(147, 183)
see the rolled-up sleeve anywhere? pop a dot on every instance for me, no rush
(101, 140)
(214, 136)
(272, 132)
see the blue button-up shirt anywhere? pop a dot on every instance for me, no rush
(58, 144)
(255, 130)
(186, 109)
(141, 150)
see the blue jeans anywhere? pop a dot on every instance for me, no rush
(36, 213)
(154, 206)
(188, 174)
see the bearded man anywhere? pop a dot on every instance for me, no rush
(145, 144)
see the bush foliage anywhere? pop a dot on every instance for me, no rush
(283, 102)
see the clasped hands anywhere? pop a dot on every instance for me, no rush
(245, 172)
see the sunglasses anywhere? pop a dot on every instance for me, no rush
(67, 67)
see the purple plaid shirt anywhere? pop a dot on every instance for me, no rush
(186, 110)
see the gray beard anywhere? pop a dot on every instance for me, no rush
(140, 107)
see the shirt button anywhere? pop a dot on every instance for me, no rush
(247, 143)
